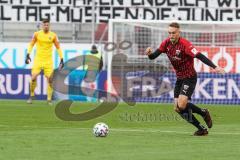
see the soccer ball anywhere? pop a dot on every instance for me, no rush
(100, 129)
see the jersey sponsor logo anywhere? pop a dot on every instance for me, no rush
(194, 51)
(178, 54)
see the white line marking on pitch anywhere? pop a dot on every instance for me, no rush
(125, 130)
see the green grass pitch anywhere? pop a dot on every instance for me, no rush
(142, 132)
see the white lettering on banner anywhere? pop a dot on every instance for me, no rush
(2, 86)
(45, 85)
(200, 89)
(26, 84)
(232, 86)
(40, 88)
(21, 84)
(209, 88)
(217, 88)
(131, 85)
(167, 87)
(148, 86)
(221, 88)
(81, 11)
(17, 81)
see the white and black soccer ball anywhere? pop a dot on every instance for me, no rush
(100, 129)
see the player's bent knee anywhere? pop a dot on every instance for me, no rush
(181, 106)
(34, 79)
(182, 103)
(50, 81)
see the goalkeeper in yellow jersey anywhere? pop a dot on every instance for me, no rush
(44, 40)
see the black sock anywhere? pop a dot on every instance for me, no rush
(196, 109)
(188, 116)
(196, 123)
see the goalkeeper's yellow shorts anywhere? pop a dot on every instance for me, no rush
(46, 66)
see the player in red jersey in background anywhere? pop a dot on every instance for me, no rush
(181, 54)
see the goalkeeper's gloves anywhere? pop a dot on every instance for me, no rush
(61, 64)
(28, 59)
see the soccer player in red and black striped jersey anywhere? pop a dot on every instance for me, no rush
(181, 54)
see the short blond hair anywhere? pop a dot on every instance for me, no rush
(174, 24)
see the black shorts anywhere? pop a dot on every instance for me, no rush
(185, 87)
